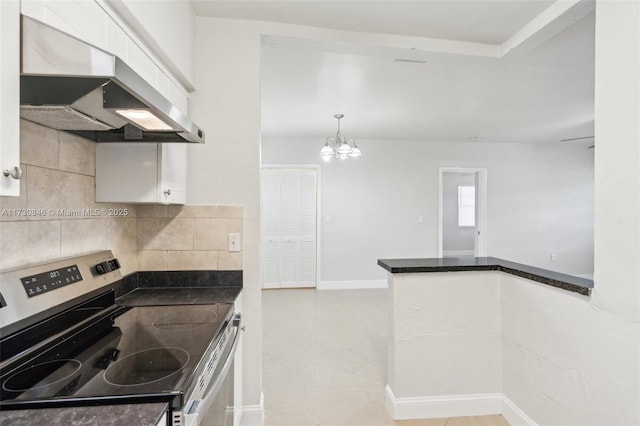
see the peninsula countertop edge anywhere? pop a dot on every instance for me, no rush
(461, 264)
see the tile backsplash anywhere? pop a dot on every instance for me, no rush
(177, 238)
(56, 215)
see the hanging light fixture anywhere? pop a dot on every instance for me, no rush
(339, 146)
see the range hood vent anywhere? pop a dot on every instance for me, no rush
(68, 84)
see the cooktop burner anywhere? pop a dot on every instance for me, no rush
(145, 367)
(57, 372)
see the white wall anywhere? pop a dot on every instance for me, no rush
(227, 166)
(540, 201)
(565, 362)
(568, 360)
(459, 338)
(617, 132)
(454, 237)
(446, 334)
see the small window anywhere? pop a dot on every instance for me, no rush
(466, 206)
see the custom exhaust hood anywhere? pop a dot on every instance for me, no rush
(69, 85)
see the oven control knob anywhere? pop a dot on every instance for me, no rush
(108, 266)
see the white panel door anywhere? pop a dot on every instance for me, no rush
(307, 231)
(289, 227)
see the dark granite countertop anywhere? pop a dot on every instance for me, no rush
(150, 296)
(457, 264)
(102, 415)
(149, 288)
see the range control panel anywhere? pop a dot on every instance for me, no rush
(43, 282)
(89, 273)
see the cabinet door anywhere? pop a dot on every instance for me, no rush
(127, 173)
(141, 173)
(172, 173)
(9, 95)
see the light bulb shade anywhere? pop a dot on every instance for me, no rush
(355, 152)
(343, 156)
(327, 151)
(344, 149)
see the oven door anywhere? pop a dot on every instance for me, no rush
(214, 405)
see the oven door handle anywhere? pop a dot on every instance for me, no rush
(192, 418)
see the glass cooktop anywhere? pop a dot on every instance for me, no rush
(138, 352)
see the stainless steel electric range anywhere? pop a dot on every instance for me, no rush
(65, 342)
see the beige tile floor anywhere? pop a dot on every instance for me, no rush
(324, 360)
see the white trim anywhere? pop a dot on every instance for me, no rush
(352, 285)
(253, 415)
(551, 21)
(431, 407)
(455, 253)
(295, 284)
(318, 222)
(481, 190)
(514, 415)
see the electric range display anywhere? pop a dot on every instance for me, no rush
(136, 352)
(44, 282)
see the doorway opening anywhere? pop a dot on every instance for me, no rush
(462, 229)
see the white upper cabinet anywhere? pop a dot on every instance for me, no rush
(106, 27)
(150, 20)
(141, 173)
(10, 97)
(132, 172)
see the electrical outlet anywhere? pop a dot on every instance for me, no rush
(553, 257)
(420, 219)
(234, 242)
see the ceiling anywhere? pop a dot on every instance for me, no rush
(464, 20)
(540, 94)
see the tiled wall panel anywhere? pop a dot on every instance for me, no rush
(55, 216)
(188, 237)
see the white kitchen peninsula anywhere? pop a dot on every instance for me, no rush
(479, 336)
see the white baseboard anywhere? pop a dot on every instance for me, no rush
(351, 285)
(253, 415)
(514, 415)
(431, 407)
